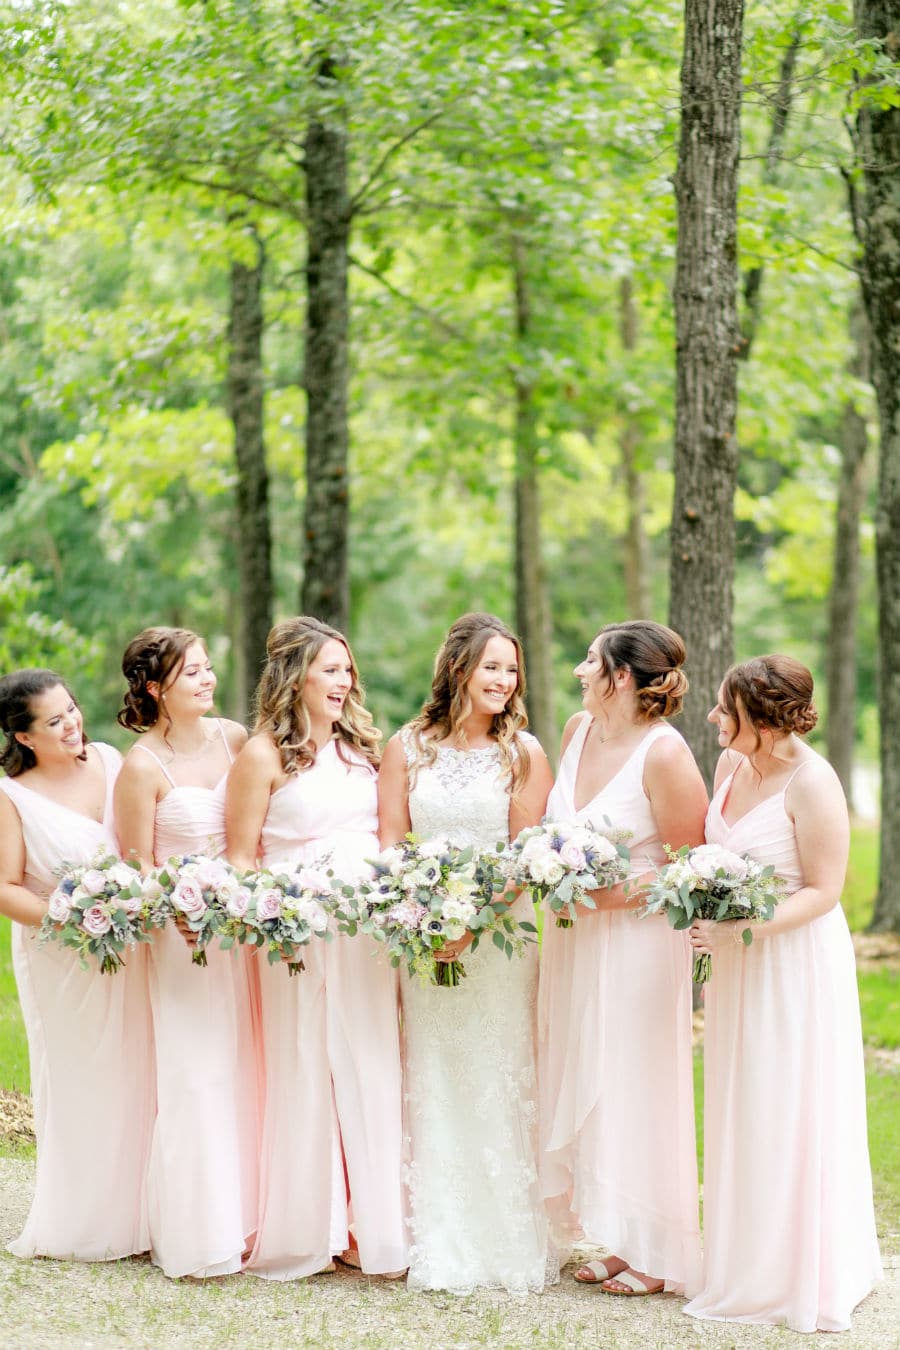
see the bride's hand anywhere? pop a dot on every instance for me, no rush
(451, 950)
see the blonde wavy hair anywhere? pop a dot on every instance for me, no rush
(291, 648)
(443, 715)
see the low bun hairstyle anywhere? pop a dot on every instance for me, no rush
(151, 657)
(654, 655)
(17, 690)
(776, 693)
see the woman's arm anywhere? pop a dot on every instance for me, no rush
(135, 799)
(528, 807)
(393, 794)
(678, 800)
(16, 900)
(815, 801)
(253, 778)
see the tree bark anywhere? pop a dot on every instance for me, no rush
(702, 537)
(843, 605)
(245, 408)
(325, 589)
(532, 604)
(638, 595)
(879, 149)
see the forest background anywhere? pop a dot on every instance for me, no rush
(369, 310)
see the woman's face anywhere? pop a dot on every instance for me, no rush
(728, 727)
(56, 733)
(328, 682)
(190, 689)
(591, 674)
(496, 677)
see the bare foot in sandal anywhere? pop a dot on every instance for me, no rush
(595, 1272)
(632, 1284)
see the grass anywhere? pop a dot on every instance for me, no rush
(862, 877)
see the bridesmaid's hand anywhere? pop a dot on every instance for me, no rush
(452, 950)
(186, 932)
(707, 936)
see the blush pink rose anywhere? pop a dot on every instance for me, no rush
(94, 881)
(268, 906)
(188, 897)
(96, 921)
(58, 907)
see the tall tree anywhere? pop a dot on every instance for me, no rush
(246, 408)
(702, 533)
(637, 545)
(878, 130)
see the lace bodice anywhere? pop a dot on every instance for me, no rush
(463, 795)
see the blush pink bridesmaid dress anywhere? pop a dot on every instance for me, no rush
(203, 1179)
(787, 1195)
(619, 1162)
(331, 1038)
(91, 1053)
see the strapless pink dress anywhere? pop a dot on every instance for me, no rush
(619, 1160)
(331, 1038)
(91, 1053)
(787, 1195)
(203, 1180)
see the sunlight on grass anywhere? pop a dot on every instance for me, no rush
(858, 898)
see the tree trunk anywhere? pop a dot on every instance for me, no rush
(702, 532)
(532, 604)
(879, 148)
(638, 595)
(245, 408)
(325, 590)
(840, 658)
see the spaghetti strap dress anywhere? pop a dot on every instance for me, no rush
(90, 1050)
(203, 1178)
(619, 1160)
(787, 1195)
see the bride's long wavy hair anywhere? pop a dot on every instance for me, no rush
(443, 715)
(291, 648)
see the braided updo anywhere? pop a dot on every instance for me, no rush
(151, 657)
(775, 692)
(654, 654)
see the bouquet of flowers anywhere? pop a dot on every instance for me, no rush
(101, 907)
(284, 912)
(424, 894)
(710, 882)
(560, 863)
(204, 893)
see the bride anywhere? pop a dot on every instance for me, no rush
(465, 770)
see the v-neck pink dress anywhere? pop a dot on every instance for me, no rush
(203, 1181)
(787, 1195)
(91, 1054)
(619, 1162)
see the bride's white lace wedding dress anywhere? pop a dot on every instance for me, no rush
(470, 1091)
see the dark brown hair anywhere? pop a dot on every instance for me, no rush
(775, 692)
(291, 648)
(654, 654)
(151, 657)
(442, 716)
(17, 691)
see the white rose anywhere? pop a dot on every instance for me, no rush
(547, 871)
(122, 874)
(707, 859)
(59, 908)
(93, 882)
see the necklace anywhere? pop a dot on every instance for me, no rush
(615, 736)
(190, 754)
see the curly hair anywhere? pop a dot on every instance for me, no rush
(17, 691)
(775, 693)
(654, 654)
(151, 657)
(443, 715)
(291, 648)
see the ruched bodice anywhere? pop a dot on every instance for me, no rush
(766, 833)
(190, 820)
(55, 834)
(623, 800)
(330, 808)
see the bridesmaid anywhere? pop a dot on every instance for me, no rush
(790, 1228)
(170, 799)
(305, 787)
(616, 1073)
(89, 1037)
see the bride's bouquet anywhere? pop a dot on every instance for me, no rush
(284, 911)
(99, 908)
(711, 882)
(203, 894)
(561, 862)
(425, 894)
